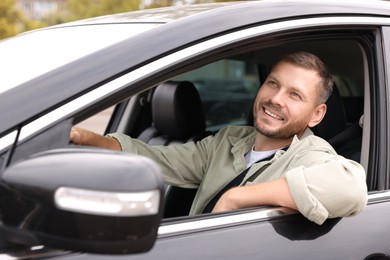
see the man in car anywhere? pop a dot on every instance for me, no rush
(286, 164)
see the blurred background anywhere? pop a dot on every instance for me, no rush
(17, 16)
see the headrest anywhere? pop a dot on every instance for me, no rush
(334, 120)
(177, 110)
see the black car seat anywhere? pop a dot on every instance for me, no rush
(345, 138)
(335, 120)
(177, 114)
(348, 143)
(178, 117)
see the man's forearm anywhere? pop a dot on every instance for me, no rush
(273, 193)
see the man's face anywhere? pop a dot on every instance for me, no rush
(288, 102)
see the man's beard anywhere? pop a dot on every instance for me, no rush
(280, 133)
(287, 131)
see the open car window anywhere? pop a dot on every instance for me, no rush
(227, 89)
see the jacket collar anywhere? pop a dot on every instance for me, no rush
(247, 142)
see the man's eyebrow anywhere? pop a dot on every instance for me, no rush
(272, 77)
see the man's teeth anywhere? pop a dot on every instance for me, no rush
(272, 114)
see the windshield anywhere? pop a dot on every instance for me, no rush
(29, 55)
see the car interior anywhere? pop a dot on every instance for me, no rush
(220, 91)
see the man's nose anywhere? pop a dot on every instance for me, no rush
(278, 98)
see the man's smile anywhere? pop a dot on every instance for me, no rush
(271, 114)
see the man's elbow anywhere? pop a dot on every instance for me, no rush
(354, 201)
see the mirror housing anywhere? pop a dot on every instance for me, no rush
(83, 199)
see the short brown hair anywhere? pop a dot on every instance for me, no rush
(310, 61)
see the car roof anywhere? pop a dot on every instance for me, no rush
(183, 25)
(153, 15)
(277, 9)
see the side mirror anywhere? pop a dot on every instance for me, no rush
(83, 199)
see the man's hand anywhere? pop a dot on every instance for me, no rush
(85, 137)
(273, 193)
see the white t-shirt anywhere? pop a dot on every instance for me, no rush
(253, 156)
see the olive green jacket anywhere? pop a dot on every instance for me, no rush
(322, 183)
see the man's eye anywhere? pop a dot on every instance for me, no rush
(296, 95)
(271, 83)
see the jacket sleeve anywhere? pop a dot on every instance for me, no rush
(334, 187)
(182, 165)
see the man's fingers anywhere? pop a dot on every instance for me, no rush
(75, 136)
(81, 136)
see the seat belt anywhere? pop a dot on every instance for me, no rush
(233, 183)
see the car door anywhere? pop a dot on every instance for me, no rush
(355, 52)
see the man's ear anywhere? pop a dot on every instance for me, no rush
(318, 115)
